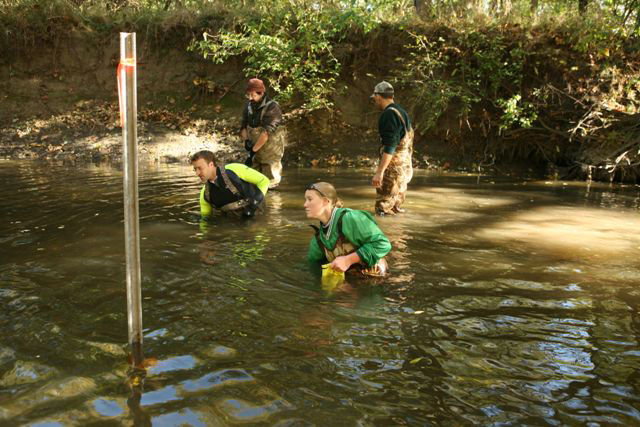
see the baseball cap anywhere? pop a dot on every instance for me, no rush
(383, 88)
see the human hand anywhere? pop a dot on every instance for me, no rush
(342, 263)
(249, 161)
(251, 208)
(376, 181)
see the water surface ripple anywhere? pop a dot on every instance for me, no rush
(510, 303)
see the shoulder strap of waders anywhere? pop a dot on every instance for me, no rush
(399, 114)
(339, 225)
(339, 228)
(264, 109)
(228, 182)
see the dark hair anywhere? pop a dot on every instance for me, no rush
(385, 95)
(206, 155)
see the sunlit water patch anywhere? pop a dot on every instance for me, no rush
(509, 302)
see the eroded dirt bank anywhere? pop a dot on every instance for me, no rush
(59, 101)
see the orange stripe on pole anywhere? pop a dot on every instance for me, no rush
(128, 62)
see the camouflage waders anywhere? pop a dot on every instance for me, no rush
(392, 192)
(268, 159)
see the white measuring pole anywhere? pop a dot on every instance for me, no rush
(128, 104)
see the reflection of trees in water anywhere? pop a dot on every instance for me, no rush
(242, 253)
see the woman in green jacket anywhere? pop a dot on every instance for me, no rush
(348, 239)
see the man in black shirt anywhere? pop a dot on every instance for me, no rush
(234, 188)
(395, 168)
(263, 135)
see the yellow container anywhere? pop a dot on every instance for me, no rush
(331, 278)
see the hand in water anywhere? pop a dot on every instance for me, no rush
(341, 263)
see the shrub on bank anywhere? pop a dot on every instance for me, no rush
(516, 83)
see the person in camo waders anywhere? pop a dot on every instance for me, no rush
(396, 136)
(262, 132)
(349, 239)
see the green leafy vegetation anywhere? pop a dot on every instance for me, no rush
(548, 79)
(292, 45)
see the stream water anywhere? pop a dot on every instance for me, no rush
(509, 302)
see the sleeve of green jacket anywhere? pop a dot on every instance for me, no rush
(248, 174)
(361, 229)
(315, 255)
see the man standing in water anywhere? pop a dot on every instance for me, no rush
(396, 136)
(262, 133)
(235, 189)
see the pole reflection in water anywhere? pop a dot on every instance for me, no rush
(139, 416)
(512, 302)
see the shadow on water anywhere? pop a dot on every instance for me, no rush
(509, 302)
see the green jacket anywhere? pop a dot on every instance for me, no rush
(359, 228)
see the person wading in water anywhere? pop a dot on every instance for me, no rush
(235, 189)
(395, 169)
(263, 135)
(348, 239)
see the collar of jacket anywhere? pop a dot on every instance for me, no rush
(262, 103)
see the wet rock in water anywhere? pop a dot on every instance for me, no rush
(73, 417)
(109, 348)
(70, 387)
(241, 411)
(220, 352)
(6, 355)
(59, 390)
(293, 422)
(27, 372)
(269, 366)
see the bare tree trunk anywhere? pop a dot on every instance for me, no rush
(506, 7)
(493, 7)
(582, 6)
(423, 7)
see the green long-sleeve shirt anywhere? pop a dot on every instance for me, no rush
(390, 127)
(359, 228)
